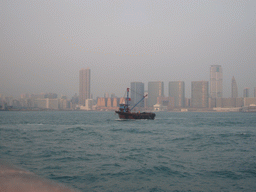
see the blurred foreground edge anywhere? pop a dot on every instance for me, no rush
(13, 179)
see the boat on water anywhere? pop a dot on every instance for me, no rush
(125, 112)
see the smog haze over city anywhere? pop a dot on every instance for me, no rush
(44, 44)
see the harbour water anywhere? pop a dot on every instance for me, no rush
(95, 151)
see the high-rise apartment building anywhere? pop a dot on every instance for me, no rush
(137, 93)
(246, 92)
(234, 90)
(84, 85)
(199, 94)
(155, 89)
(216, 90)
(177, 90)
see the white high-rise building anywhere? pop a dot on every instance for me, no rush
(216, 86)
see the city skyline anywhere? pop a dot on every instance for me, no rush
(44, 44)
(201, 98)
(85, 87)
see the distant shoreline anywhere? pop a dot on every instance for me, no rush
(174, 111)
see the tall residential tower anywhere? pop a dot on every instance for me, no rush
(246, 92)
(177, 90)
(234, 91)
(155, 89)
(216, 81)
(137, 93)
(84, 85)
(199, 94)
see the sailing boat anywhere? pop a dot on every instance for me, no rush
(125, 112)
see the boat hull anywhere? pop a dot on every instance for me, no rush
(129, 115)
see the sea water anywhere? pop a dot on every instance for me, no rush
(95, 151)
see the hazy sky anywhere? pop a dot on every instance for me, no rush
(44, 44)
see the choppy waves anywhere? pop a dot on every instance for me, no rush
(93, 151)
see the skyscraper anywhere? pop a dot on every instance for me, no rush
(216, 81)
(84, 85)
(177, 90)
(246, 92)
(234, 91)
(199, 94)
(155, 89)
(137, 93)
(254, 91)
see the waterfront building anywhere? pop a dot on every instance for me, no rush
(115, 102)
(226, 102)
(101, 102)
(84, 85)
(41, 103)
(249, 101)
(246, 92)
(74, 101)
(212, 102)
(234, 90)
(187, 102)
(53, 104)
(167, 102)
(155, 89)
(199, 94)
(63, 103)
(239, 102)
(47, 103)
(109, 102)
(137, 93)
(88, 104)
(216, 81)
(9, 100)
(177, 90)
(122, 100)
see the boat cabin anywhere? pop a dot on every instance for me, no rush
(124, 108)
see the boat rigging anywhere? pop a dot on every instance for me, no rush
(125, 112)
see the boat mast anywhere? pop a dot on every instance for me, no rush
(127, 101)
(139, 102)
(127, 97)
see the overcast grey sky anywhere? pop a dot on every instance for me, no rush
(44, 44)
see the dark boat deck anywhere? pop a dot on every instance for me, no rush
(130, 115)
